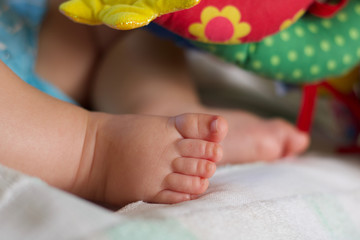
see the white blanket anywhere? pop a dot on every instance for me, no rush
(312, 197)
(307, 198)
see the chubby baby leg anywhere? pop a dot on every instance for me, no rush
(153, 159)
(153, 79)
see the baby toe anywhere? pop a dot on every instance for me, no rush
(202, 126)
(200, 149)
(186, 184)
(297, 142)
(292, 140)
(171, 197)
(194, 167)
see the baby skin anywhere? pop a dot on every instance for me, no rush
(106, 158)
(110, 159)
(155, 80)
(155, 159)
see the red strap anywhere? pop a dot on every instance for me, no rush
(349, 150)
(326, 10)
(307, 107)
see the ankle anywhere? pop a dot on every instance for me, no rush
(88, 175)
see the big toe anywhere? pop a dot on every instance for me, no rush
(297, 143)
(202, 126)
(292, 140)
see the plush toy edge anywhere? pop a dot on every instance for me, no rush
(132, 17)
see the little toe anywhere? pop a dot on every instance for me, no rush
(171, 197)
(200, 149)
(194, 167)
(186, 184)
(202, 126)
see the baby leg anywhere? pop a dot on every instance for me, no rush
(144, 74)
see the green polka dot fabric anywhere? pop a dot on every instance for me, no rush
(310, 50)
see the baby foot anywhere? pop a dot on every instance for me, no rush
(252, 138)
(154, 159)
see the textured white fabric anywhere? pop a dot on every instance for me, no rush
(29, 209)
(308, 198)
(311, 197)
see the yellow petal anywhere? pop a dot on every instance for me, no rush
(231, 13)
(83, 11)
(122, 14)
(197, 30)
(125, 17)
(209, 13)
(298, 15)
(286, 24)
(242, 30)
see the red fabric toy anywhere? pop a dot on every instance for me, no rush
(252, 20)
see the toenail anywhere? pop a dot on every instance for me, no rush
(214, 126)
(193, 197)
(187, 197)
(210, 167)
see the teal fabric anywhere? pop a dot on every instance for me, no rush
(20, 22)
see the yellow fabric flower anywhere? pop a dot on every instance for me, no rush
(122, 14)
(287, 23)
(223, 26)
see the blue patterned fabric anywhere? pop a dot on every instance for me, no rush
(20, 22)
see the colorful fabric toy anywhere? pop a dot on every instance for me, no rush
(234, 22)
(310, 50)
(299, 42)
(122, 14)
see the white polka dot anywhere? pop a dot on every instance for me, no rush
(347, 59)
(269, 41)
(240, 56)
(275, 60)
(326, 23)
(342, 17)
(257, 65)
(309, 51)
(357, 9)
(354, 33)
(339, 40)
(299, 31)
(252, 48)
(285, 36)
(331, 64)
(292, 56)
(314, 69)
(297, 73)
(313, 28)
(325, 45)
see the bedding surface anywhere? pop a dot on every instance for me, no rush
(310, 197)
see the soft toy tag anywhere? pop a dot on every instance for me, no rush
(122, 14)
